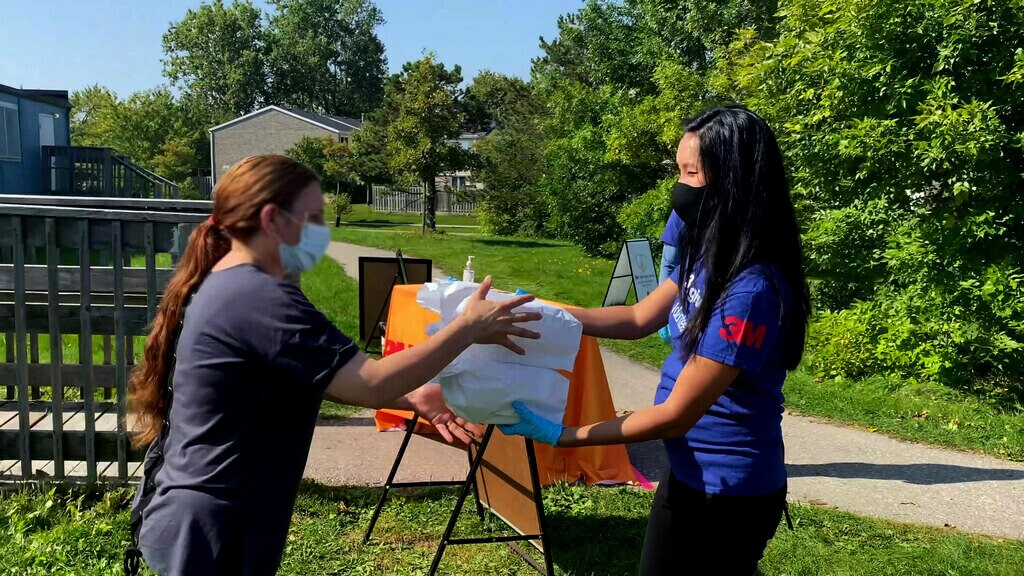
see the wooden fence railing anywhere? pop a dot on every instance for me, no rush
(99, 172)
(204, 186)
(79, 285)
(411, 200)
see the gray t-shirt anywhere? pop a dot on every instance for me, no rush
(254, 359)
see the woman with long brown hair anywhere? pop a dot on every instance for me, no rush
(237, 363)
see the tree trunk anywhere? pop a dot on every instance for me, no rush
(431, 204)
(337, 215)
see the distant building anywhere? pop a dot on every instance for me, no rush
(29, 120)
(271, 130)
(462, 179)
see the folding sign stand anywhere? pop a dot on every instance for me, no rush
(377, 278)
(474, 466)
(401, 276)
(635, 267)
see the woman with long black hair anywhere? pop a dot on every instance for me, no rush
(737, 308)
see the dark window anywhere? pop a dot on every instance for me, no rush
(10, 132)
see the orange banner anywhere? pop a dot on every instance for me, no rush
(589, 400)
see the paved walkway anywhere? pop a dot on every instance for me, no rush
(348, 256)
(830, 465)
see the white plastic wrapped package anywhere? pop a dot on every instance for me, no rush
(481, 384)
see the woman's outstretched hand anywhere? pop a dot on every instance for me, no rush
(494, 322)
(428, 402)
(533, 426)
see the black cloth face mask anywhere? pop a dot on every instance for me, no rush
(686, 202)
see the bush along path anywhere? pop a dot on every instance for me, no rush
(846, 468)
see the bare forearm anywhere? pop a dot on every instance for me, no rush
(407, 402)
(701, 382)
(619, 322)
(387, 381)
(655, 423)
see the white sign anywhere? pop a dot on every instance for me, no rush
(635, 267)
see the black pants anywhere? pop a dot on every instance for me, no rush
(690, 532)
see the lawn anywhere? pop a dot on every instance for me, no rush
(336, 295)
(80, 531)
(559, 271)
(363, 215)
(70, 342)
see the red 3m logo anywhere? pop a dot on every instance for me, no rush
(390, 347)
(743, 332)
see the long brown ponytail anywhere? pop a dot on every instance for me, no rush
(240, 196)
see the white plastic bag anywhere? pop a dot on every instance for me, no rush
(481, 384)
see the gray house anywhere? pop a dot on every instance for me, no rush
(271, 130)
(29, 120)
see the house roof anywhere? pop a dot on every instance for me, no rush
(336, 124)
(53, 97)
(342, 123)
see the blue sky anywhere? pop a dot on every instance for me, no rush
(70, 44)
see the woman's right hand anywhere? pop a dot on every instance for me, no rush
(494, 322)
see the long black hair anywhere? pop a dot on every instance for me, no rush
(746, 218)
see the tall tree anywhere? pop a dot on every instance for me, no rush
(903, 127)
(216, 57)
(93, 115)
(422, 106)
(618, 81)
(512, 160)
(494, 100)
(370, 152)
(511, 155)
(325, 55)
(151, 127)
(327, 157)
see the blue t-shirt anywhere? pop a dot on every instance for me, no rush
(736, 447)
(673, 230)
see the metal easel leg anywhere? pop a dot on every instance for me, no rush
(538, 498)
(410, 427)
(476, 488)
(461, 501)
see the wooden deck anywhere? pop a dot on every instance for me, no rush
(73, 423)
(68, 326)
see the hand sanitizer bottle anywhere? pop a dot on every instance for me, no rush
(468, 274)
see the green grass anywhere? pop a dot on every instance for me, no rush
(70, 342)
(336, 295)
(70, 355)
(593, 531)
(78, 531)
(548, 268)
(928, 413)
(363, 215)
(560, 271)
(327, 286)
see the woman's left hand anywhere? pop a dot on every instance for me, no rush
(428, 402)
(533, 426)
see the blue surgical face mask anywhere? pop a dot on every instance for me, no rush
(310, 249)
